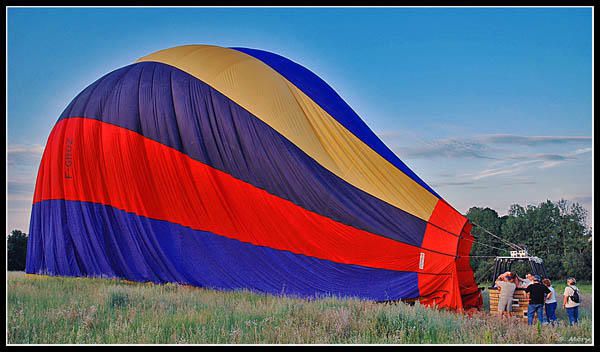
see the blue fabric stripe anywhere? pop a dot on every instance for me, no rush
(101, 241)
(176, 109)
(322, 94)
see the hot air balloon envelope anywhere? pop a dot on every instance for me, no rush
(235, 168)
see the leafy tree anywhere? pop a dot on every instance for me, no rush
(577, 241)
(485, 245)
(555, 231)
(17, 250)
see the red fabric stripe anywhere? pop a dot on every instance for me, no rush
(469, 291)
(88, 160)
(446, 217)
(443, 289)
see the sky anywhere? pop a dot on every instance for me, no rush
(489, 106)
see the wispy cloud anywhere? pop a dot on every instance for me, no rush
(16, 187)
(451, 183)
(546, 157)
(582, 199)
(487, 147)
(473, 180)
(448, 148)
(390, 134)
(582, 151)
(24, 149)
(549, 160)
(19, 198)
(22, 162)
(511, 167)
(532, 140)
(504, 170)
(500, 159)
(22, 154)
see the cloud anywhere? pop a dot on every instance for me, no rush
(474, 180)
(390, 134)
(487, 147)
(547, 160)
(505, 165)
(451, 183)
(532, 140)
(20, 188)
(22, 163)
(515, 181)
(448, 148)
(581, 151)
(14, 149)
(551, 160)
(524, 161)
(582, 199)
(19, 198)
(546, 157)
(504, 170)
(22, 154)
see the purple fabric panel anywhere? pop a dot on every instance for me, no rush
(102, 241)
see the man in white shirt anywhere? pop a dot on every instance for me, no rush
(570, 305)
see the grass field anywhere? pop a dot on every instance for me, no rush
(80, 310)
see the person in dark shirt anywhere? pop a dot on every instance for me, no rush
(537, 294)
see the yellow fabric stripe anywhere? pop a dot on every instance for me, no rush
(269, 96)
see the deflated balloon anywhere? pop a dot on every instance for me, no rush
(236, 168)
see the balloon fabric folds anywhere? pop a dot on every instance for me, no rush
(236, 168)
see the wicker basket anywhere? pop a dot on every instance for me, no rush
(519, 306)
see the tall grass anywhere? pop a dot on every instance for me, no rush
(84, 310)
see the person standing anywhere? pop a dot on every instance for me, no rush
(507, 289)
(529, 279)
(571, 301)
(537, 294)
(523, 283)
(550, 303)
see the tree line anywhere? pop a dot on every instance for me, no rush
(554, 231)
(16, 244)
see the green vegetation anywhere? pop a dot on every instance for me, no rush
(83, 310)
(16, 244)
(556, 232)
